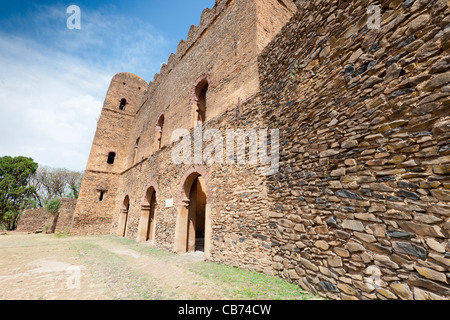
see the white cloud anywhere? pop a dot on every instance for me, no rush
(52, 85)
(49, 107)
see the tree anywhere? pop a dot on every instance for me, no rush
(53, 183)
(15, 191)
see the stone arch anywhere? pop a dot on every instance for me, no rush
(123, 104)
(159, 132)
(136, 150)
(193, 225)
(123, 217)
(199, 100)
(147, 223)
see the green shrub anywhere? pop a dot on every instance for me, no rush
(52, 206)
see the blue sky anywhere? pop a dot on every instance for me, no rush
(53, 80)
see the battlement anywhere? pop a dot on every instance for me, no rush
(208, 17)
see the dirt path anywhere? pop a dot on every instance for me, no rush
(34, 267)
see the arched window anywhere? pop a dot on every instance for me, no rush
(200, 102)
(123, 104)
(111, 157)
(136, 149)
(158, 133)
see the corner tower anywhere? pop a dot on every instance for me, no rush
(107, 159)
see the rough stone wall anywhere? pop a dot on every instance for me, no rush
(33, 221)
(65, 215)
(93, 216)
(39, 220)
(361, 203)
(223, 49)
(360, 206)
(237, 194)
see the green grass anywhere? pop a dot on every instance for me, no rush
(238, 284)
(249, 285)
(111, 269)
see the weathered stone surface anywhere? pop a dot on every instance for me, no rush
(436, 246)
(322, 245)
(327, 286)
(364, 286)
(441, 259)
(427, 50)
(347, 289)
(431, 274)
(39, 220)
(407, 194)
(349, 144)
(353, 225)
(308, 265)
(420, 294)
(364, 152)
(354, 247)
(385, 261)
(328, 153)
(371, 82)
(410, 249)
(334, 261)
(437, 81)
(423, 229)
(348, 194)
(402, 290)
(341, 252)
(386, 293)
(419, 281)
(443, 195)
(365, 237)
(417, 24)
(441, 66)
(400, 234)
(332, 222)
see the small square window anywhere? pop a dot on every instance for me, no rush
(123, 104)
(111, 157)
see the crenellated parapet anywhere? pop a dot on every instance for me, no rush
(195, 32)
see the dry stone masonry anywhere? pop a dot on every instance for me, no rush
(40, 220)
(359, 91)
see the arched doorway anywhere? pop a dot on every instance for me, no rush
(193, 221)
(123, 217)
(147, 224)
(196, 216)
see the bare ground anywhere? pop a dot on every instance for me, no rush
(47, 267)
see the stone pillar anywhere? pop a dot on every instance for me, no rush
(192, 219)
(208, 231)
(144, 223)
(121, 229)
(158, 137)
(195, 112)
(181, 227)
